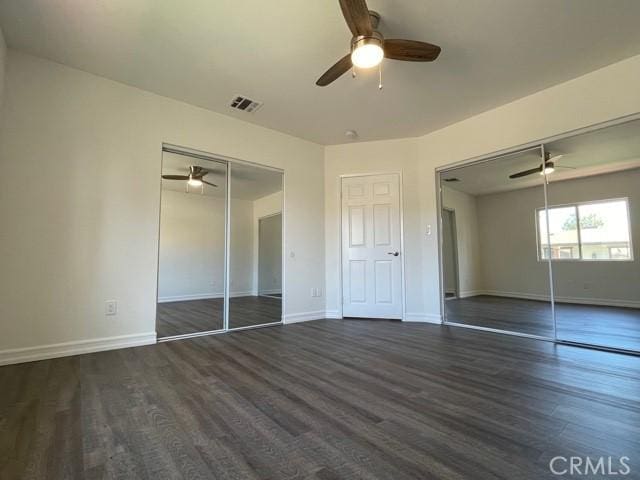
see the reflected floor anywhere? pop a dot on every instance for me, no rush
(599, 325)
(193, 316)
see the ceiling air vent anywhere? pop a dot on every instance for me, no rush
(452, 179)
(245, 104)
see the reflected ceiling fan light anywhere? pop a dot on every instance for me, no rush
(194, 182)
(548, 169)
(367, 52)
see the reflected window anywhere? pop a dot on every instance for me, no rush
(588, 231)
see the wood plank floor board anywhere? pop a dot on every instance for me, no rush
(327, 399)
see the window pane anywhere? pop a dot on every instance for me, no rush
(604, 230)
(563, 233)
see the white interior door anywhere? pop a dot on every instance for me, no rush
(371, 240)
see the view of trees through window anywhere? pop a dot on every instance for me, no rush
(585, 231)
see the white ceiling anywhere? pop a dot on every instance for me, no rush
(247, 182)
(603, 151)
(203, 52)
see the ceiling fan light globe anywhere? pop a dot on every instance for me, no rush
(547, 171)
(194, 182)
(367, 52)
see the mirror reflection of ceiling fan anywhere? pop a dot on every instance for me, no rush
(547, 167)
(369, 47)
(195, 178)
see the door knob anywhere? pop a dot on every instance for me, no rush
(395, 254)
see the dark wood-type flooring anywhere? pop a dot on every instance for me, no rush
(330, 399)
(599, 325)
(192, 316)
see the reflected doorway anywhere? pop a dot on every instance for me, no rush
(450, 254)
(270, 256)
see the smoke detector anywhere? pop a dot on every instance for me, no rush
(351, 134)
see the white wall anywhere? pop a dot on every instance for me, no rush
(468, 239)
(509, 248)
(192, 238)
(84, 228)
(603, 95)
(3, 60)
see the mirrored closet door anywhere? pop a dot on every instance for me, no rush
(220, 248)
(255, 266)
(191, 263)
(544, 242)
(491, 274)
(594, 213)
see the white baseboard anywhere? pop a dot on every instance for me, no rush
(334, 314)
(304, 317)
(203, 296)
(560, 299)
(271, 292)
(472, 293)
(423, 318)
(32, 354)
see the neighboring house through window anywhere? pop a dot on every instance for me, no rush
(588, 231)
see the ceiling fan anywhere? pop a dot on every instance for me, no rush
(547, 167)
(369, 47)
(194, 179)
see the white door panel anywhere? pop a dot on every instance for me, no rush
(371, 273)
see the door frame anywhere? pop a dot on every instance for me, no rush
(454, 235)
(402, 250)
(229, 161)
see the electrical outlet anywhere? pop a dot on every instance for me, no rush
(111, 307)
(319, 292)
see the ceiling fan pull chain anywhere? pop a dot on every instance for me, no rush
(380, 76)
(353, 72)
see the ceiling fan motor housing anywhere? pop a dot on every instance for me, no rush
(375, 19)
(375, 38)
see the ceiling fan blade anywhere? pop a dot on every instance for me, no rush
(209, 183)
(175, 177)
(198, 171)
(410, 50)
(336, 71)
(525, 173)
(357, 17)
